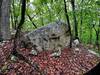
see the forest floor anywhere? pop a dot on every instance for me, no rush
(75, 61)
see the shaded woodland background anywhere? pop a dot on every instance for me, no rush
(22, 16)
(83, 16)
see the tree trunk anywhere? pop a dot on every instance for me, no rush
(97, 36)
(97, 31)
(81, 20)
(90, 33)
(90, 39)
(74, 17)
(68, 22)
(5, 19)
(0, 20)
(0, 8)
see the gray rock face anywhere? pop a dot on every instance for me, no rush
(49, 37)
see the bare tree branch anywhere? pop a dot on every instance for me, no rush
(31, 20)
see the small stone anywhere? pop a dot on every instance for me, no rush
(13, 58)
(34, 52)
(4, 68)
(75, 43)
(77, 49)
(56, 54)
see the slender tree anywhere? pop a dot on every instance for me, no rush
(98, 36)
(68, 22)
(49, 13)
(81, 19)
(90, 33)
(97, 31)
(74, 18)
(13, 15)
(14, 51)
(17, 35)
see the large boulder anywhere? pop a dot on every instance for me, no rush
(49, 37)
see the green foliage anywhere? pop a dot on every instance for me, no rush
(46, 11)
